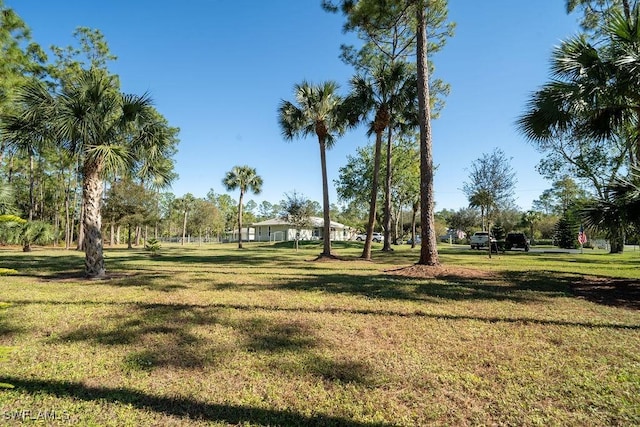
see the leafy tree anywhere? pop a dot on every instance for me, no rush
(228, 209)
(203, 217)
(318, 112)
(464, 219)
(355, 177)
(596, 13)
(184, 205)
(267, 210)
(297, 210)
(557, 199)
(128, 203)
(491, 183)
(246, 179)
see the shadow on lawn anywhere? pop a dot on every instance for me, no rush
(179, 407)
(513, 286)
(171, 332)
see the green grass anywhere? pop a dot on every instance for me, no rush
(214, 335)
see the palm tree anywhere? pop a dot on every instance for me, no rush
(7, 201)
(485, 200)
(246, 179)
(91, 117)
(380, 93)
(617, 212)
(530, 218)
(595, 90)
(318, 111)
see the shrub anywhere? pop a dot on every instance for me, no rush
(153, 246)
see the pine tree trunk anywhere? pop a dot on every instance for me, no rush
(428, 249)
(92, 221)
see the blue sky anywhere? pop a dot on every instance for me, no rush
(218, 69)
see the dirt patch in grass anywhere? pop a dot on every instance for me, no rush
(441, 271)
(609, 291)
(328, 258)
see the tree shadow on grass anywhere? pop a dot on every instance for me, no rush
(177, 406)
(161, 335)
(510, 287)
(609, 291)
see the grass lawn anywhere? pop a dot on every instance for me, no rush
(213, 335)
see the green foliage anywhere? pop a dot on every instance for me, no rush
(152, 245)
(35, 232)
(498, 231)
(566, 232)
(297, 211)
(4, 351)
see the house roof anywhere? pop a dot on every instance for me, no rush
(315, 222)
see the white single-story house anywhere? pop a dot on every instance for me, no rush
(248, 235)
(278, 230)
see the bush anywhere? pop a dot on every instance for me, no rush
(153, 246)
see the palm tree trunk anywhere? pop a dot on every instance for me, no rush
(325, 200)
(240, 220)
(81, 231)
(387, 196)
(366, 251)
(92, 221)
(32, 200)
(428, 249)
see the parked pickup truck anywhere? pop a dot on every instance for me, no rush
(377, 237)
(480, 239)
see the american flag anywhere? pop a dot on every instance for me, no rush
(582, 236)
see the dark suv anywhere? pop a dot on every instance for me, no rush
(516, 240)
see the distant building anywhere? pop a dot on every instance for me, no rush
(278, 230)
(248, 235)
